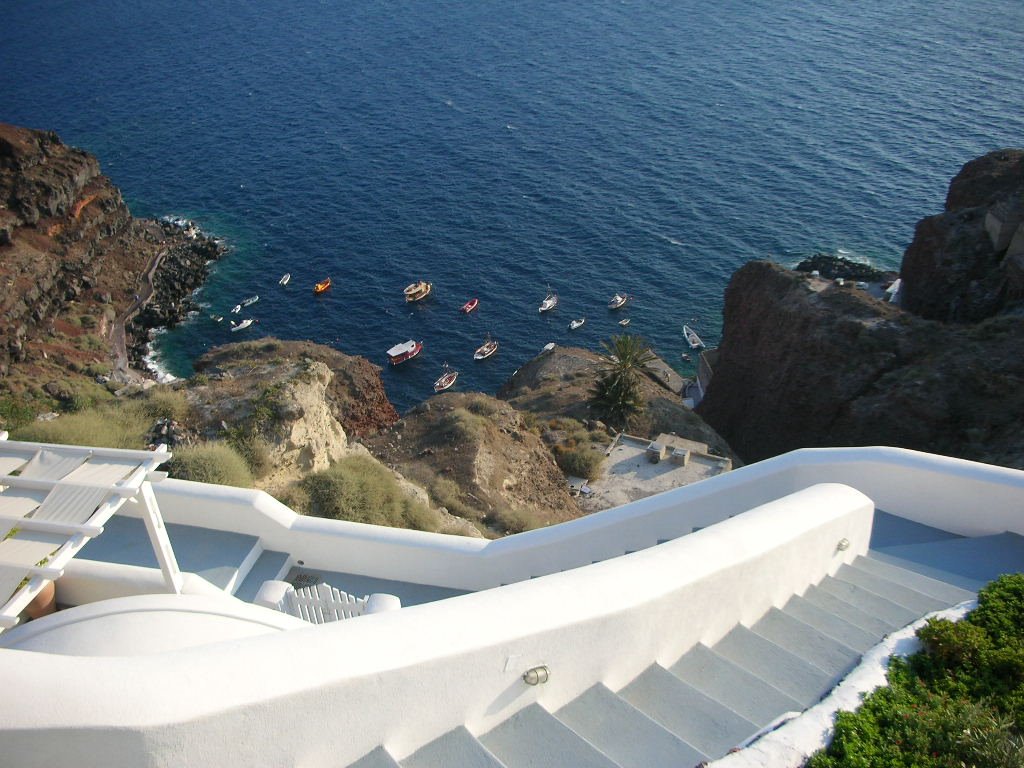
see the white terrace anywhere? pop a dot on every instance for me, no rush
(662, 632)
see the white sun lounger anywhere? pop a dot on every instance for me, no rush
(54, 498)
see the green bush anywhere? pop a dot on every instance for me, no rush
(482, 405)
(582, 462)
(166, 403)
(446, 493)
(459, 425)
(15, 412)
(360, 490)
(107, 427)
(958, 702)
(217, 463)
(254, 449)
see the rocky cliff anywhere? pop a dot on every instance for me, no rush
(806, 361)
(967, 263)
(75, 265)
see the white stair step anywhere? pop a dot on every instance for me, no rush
(739, 689)
(378, 758)
(890, 612)
(806, 642)
(534, 738)
(940, 590)
(849, 612)
(697, 719)
(900, 594)
(792, 675)
(624, 733)
(458, 747)
(970, 562)
(831, 624)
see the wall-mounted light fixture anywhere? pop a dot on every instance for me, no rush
(536, 675)
(843, 545)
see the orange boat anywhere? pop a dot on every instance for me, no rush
(322, 286)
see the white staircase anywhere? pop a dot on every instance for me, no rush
(712, 698)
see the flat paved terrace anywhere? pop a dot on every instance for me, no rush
(628, 473)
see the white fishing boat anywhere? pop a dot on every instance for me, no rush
(417, 291)
(692, 338)
(486, 349)
(624, 322)
(236, 309)
(285, 278)
(574, 324)
(618, 300)
(250, 301)
(242, 324)
(550, 301)
(448, 377)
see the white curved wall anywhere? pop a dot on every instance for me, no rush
(960, 496)
(328, 694)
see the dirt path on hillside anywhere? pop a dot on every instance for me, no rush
(118, 342)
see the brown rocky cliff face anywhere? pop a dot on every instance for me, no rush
(71, 259)
(805, 362)
(355, 393)
(965, 264)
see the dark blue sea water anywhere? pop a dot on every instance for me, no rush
(496, 148)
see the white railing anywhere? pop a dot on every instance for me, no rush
(960, 496)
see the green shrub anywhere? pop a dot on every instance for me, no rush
(254, 449)
(296, 498)
(482, 405)
(508, 521)
(217, 463)
(582, 462)
(360, 490)
(459, 425)
(446, 493)
(15, 412)
(166, 403)
(106, 427)
(958, 702)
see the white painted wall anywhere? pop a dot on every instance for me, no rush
(328, 694)
(960, 496)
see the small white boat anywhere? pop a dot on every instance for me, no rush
(417, 291)
(686, 357)
(217, 318)
(624, 322)
(242, 324)
(692, 338)
(447, 379)
(236, 309)
(486, 349)
(285, 278)
(574, 324)
(618, 300)
(250, 301)
(550, 301)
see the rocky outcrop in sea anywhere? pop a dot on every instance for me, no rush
(807, 361)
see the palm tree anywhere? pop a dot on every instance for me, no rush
(616, 396)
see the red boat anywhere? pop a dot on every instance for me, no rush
(404, 351)
(470, 305)
(322, 286)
